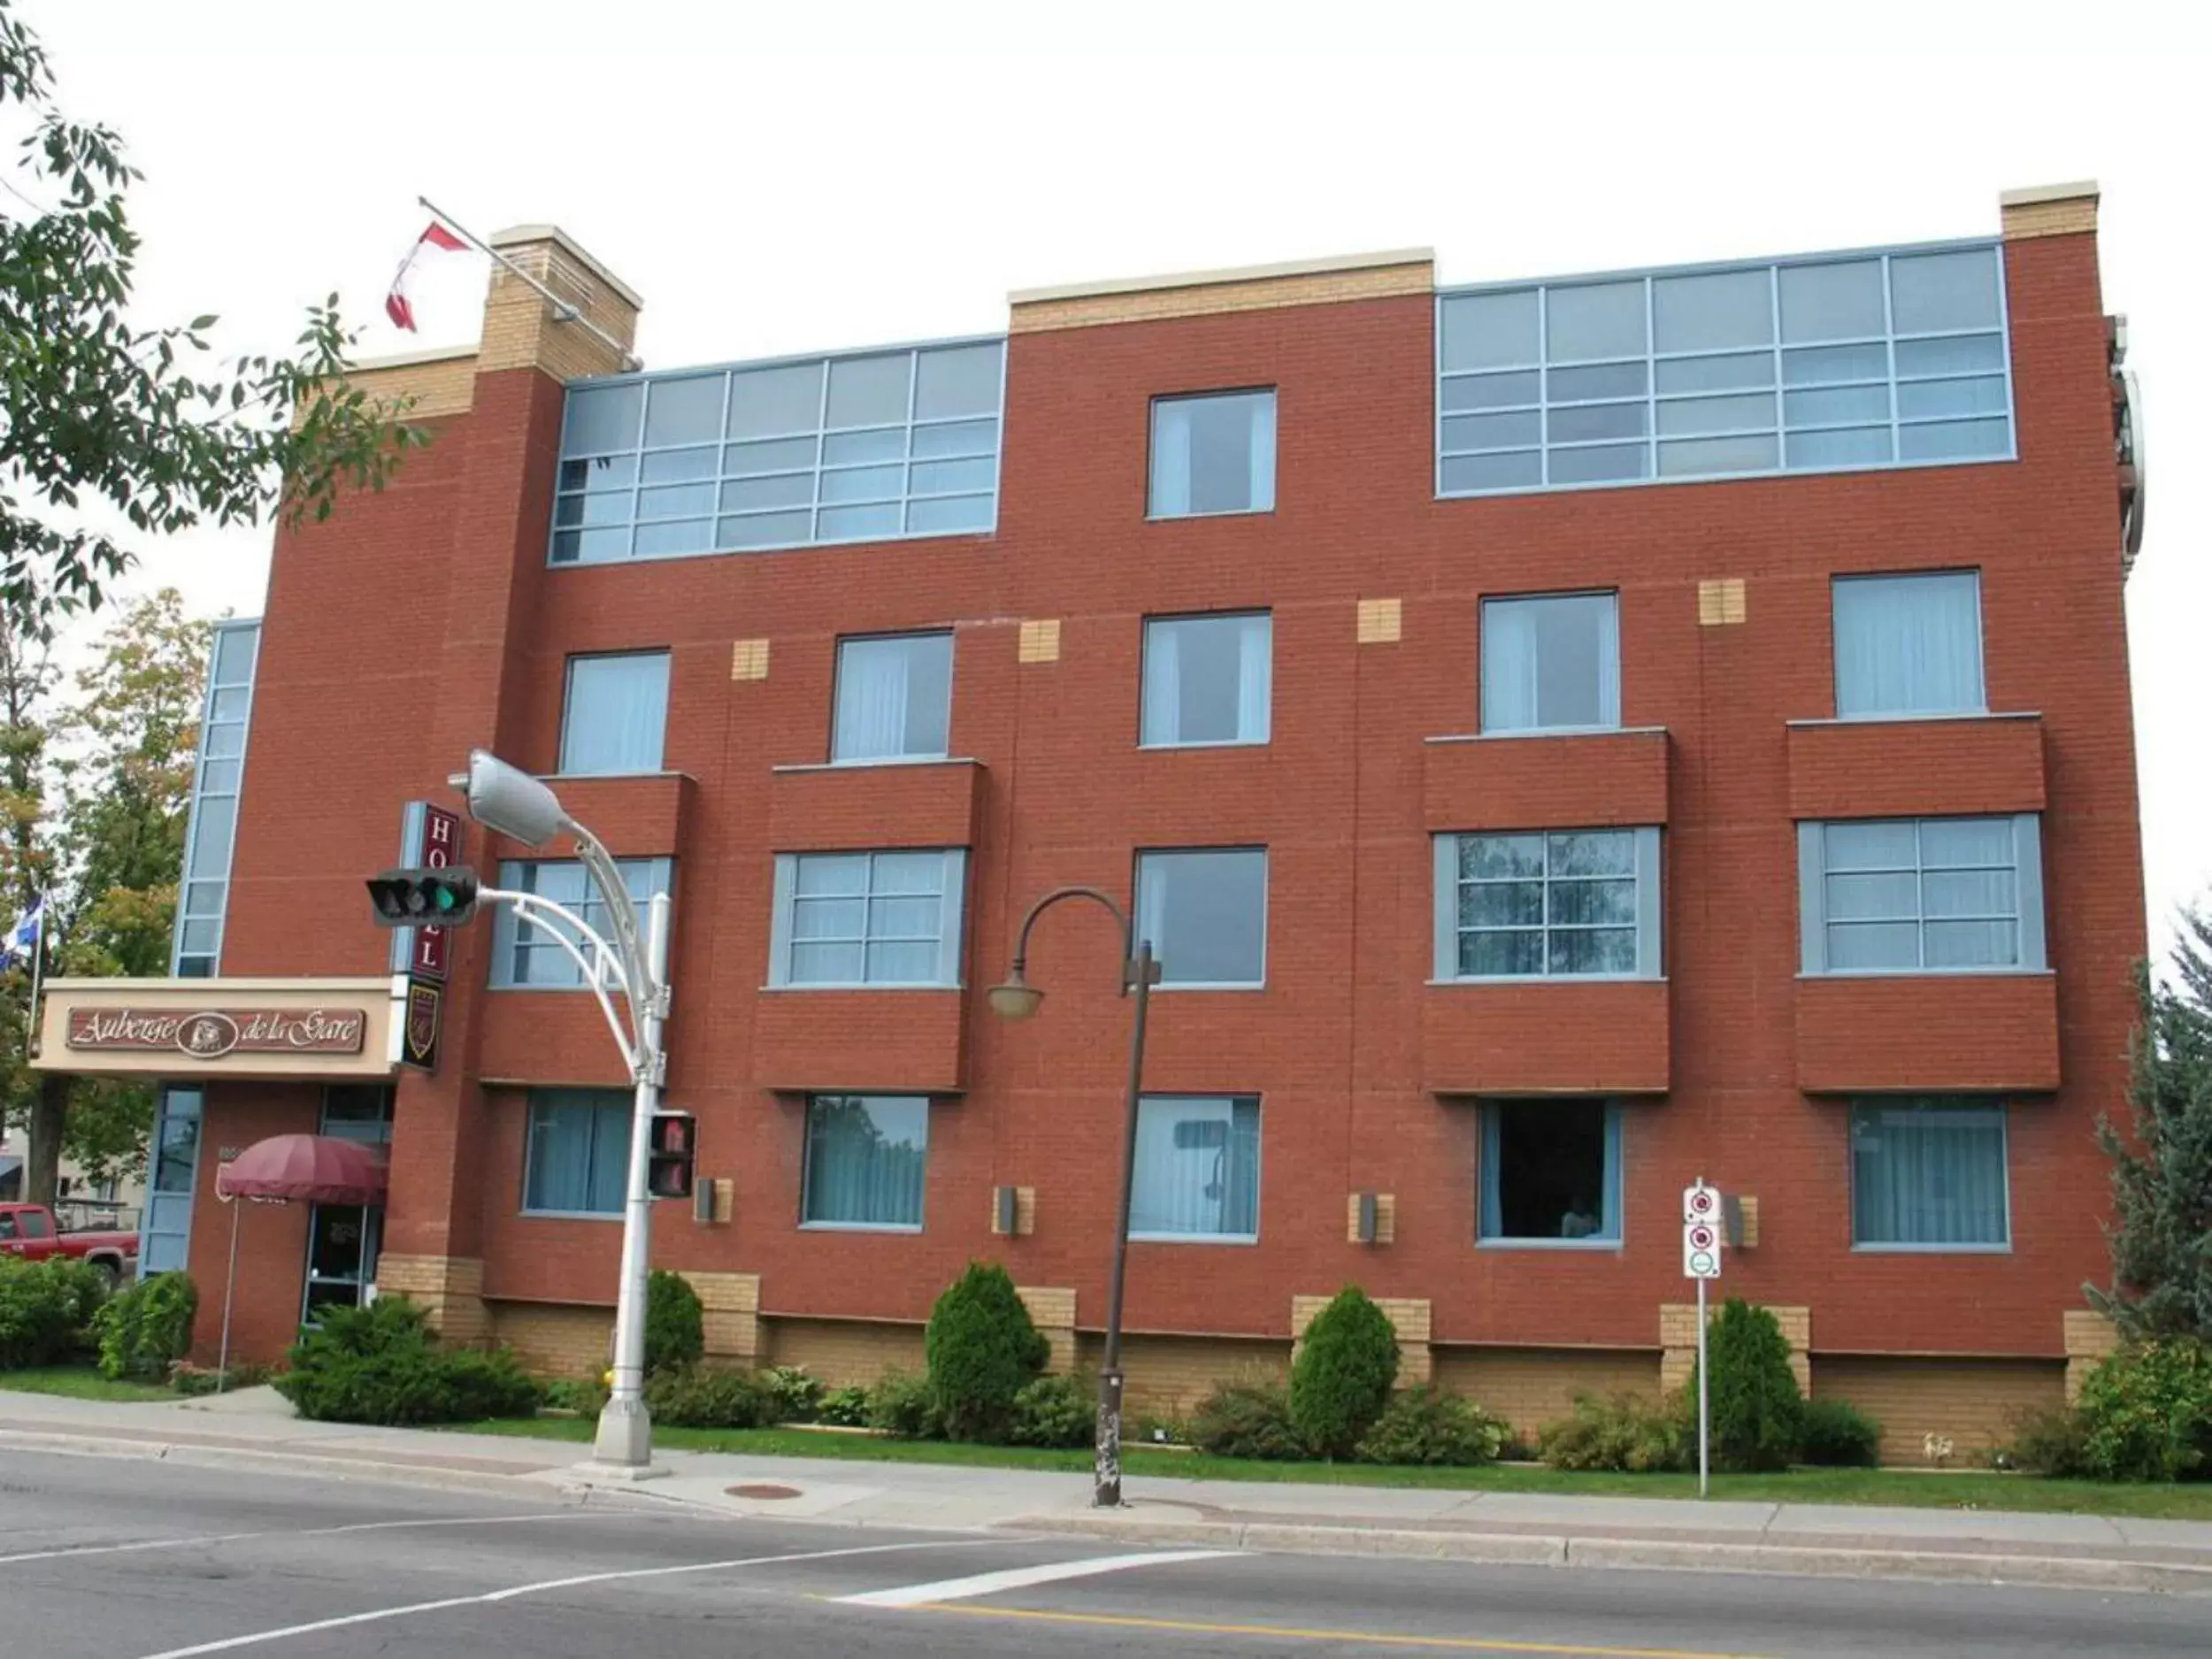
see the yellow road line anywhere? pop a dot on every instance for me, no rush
(1375, 1638)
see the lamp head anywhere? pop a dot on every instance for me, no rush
(509, 801)
(1017, 999)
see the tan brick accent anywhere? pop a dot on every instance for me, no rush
(562, 1340)
(1025, 1212)
(449, 1289)
(1971, 1402)
(1053, 1311)
(748, 660)
(1677, 1340)
(1168, 1375)
(1748, 1205)
(1531, 1386)
(1720, 602)
(1408, 1317)
(729, 1309)
(1207, 293)
(1380, 621)
(724, 1207)
(1039, 641)
(441, 382)
(843, 1352)
(2057, 210)
(2090, 1336)
(1386, 1219)
(521, 330)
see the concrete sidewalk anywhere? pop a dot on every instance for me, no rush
(257, 1429)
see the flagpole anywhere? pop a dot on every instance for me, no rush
(564, 310)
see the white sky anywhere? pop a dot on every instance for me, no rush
(780, 178)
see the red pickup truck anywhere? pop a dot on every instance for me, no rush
(28, 1231)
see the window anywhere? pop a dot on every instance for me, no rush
(1551, 1172)
(867, 919)
(616, 713)
(577, 1159)
(1929, 1175)
(1908, 644)
(1551, 663)
(866, 1158)
(1922, 895)
(1213, 454)
(1807, 365)
(1547, 904)
(1206, 680)
(1197, 1173)
(216, 780)
(1206, 915)
(893, 698)
(526, 954)
(869, 447)
(358, 1111)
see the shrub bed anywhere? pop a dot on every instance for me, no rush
(147, 1330)
(46, 1310)
(378, 1364)
(1428, 1425)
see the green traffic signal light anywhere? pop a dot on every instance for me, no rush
(407, 898)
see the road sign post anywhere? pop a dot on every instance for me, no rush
(1701, 1261)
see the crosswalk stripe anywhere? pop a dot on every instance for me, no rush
(1021, 1578)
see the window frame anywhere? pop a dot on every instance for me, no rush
(951, 940)
(1650, 910)
(837, 688)
(1259, 1155)
(1136, 888)
(568, 705)
(1836, 583)
(1927, 1103)
(508, 928)
(1482, 667)
(806, 1167)
(1612, 1178)
(1144, 679)
(2028, 893)
(603, 1102)
(1152, 510)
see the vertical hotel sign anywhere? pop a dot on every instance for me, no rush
(430, 837)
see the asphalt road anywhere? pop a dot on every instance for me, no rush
(107, 1558)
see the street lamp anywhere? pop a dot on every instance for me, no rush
(510, 802)
(1017, 999)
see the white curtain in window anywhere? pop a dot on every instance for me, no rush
(1509, 667)
(1262, 409)
(1908, 644)
(867, 1160)
(1254, 674)
(1152, 904)
(1930, 1175)
(871, 689)
(1609, 611)
(1171, 459)
(618, 714)
(1162, 685)
(1197, 1168)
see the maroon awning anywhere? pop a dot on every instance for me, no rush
(322, 1168)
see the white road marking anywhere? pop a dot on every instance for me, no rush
(377, 1615)
(1021, 1578)
(68, 1550)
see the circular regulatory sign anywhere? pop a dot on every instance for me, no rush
(1700, 1203)
(1704, 1264)
(1701, 1237)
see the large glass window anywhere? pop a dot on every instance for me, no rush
(1206, 680)
(866, 1157)
(1197, 1173)
(868, 447)
(1908, 644)
(1551, 663)
(528, 955)
(1551, 1172)
(616, 713)
(1810, 365)
(1535, 904)
(1213, 454)
(1929, 1175)
(213, 824)
(577, 1159)
(893, 698)
(1205, 912)
(1922, 895)
(867, 919)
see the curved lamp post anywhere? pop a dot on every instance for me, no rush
(1017, 999)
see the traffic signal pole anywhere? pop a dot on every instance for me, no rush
(625, 1440)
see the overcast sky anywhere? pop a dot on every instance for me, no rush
(781, 178)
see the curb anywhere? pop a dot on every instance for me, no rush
(1522, 1550)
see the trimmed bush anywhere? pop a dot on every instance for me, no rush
(1837, 1435)
(904, 1407)
(844, 1408)
(2147, 1412)
(980, 1350)
(709, 1397)
(1757, 1412)
(46, 1310)
(378, 1364)
(2052, 1441)
(675, 1328)
(148, 1329)
(792, 1395)
(1340, 1381)
(1054, 1412)
(1249, 1419)
(586, 1396)
(1622, 1431)
(1429, 1426)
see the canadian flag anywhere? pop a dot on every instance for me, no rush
(395, 305)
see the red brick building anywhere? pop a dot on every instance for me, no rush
(1565, 739)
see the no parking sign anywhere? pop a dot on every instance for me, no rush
(1700, 1232)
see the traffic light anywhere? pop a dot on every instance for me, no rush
(674, 1145)
(419, 898)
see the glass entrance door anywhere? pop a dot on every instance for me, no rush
(342, 1239)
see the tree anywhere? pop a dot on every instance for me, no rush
(2161, 1173)
(1341, 1379)
(96, 413)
